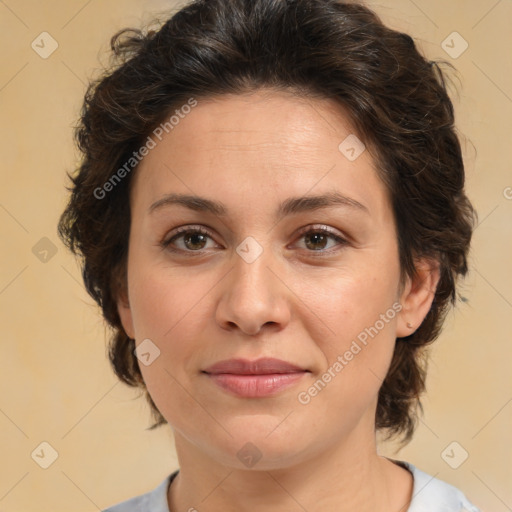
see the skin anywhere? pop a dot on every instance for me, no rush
(252, 152)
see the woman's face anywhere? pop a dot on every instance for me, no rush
(263, 279)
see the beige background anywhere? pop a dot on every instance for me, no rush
(56, 384)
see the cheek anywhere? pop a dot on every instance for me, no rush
(356, 362)
(171, 311)
(356, 334)
(342, 305)
(163, 301)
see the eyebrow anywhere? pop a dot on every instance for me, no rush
(290, 206)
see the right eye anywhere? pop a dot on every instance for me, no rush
(193, 239)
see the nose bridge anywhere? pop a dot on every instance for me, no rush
(253, 295)
(252, 278)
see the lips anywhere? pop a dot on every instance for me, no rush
(263, 366)
(254, 379)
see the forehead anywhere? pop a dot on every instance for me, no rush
(266, 141)
(265, 119)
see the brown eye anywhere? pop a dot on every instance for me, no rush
(193, 240)
(317, 239)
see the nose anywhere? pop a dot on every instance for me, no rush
(254, 295)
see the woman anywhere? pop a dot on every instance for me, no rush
(271, 214)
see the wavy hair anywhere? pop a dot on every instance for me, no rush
(396, 99)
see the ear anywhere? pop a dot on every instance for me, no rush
(417, 296)
(125, 312)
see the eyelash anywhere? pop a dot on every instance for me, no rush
(166, 244)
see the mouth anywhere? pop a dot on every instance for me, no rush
(254, 379)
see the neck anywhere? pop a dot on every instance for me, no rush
(347, 476)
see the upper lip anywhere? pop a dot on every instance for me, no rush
(265, 365)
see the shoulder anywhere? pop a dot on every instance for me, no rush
(433, 495)
(155, 500)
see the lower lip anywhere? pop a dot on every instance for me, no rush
(255, 386)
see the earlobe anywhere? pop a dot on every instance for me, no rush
(417, 297)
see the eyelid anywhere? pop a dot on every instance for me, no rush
(320, 227)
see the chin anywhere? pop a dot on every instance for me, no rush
(262, 443)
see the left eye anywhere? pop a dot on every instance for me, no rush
(317, 239)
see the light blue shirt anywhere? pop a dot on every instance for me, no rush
(429, 495)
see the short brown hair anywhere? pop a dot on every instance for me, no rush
(396, 99)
